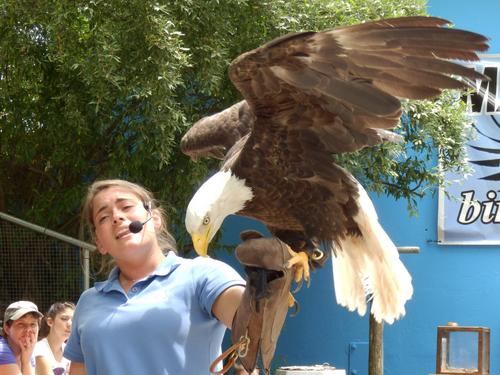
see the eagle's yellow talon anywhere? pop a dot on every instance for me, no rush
(300, 261)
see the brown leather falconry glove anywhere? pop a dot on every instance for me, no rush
(262, 312)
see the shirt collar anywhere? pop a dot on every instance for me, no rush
(167, 265)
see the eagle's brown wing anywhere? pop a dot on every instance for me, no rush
(345, 83)
(213, 136)
(348, 78)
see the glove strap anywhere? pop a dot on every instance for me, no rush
(234, 352)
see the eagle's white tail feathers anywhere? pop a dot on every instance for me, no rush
(368, 266)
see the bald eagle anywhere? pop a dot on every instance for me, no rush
(308, 96)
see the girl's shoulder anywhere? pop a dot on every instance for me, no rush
(41, 348)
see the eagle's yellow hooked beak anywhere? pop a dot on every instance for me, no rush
(200, 241)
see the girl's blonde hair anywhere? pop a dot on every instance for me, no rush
(165, 239)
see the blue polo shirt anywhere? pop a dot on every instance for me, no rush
(164, 325)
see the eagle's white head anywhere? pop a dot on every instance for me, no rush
(221, 195)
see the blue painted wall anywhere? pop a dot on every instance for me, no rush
(452, 283)
(480, 16)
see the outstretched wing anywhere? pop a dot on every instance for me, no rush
(213, 136)
(344, 84)
(349, 79)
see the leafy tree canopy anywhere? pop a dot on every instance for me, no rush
(105, 88)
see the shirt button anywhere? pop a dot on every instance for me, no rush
(134, 289)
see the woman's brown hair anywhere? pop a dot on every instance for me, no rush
(165, 239)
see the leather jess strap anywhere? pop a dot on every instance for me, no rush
(235, 351)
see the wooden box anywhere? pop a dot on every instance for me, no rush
(463, 350)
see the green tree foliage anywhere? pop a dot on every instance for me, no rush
(105, 88)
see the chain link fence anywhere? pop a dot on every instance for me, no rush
(39, 267)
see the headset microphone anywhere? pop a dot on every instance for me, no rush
(136, 226)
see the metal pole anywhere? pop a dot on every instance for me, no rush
(408, 249)
(86, 268)
(48, 232)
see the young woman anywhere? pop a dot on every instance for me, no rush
(156, 313)
(20, 329)
(55, 330)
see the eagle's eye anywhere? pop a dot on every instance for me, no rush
(206, 220)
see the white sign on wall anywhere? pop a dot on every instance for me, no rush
(471, 215)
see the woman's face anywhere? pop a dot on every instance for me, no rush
(22, 331)
(113, 211)
(61, 324)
